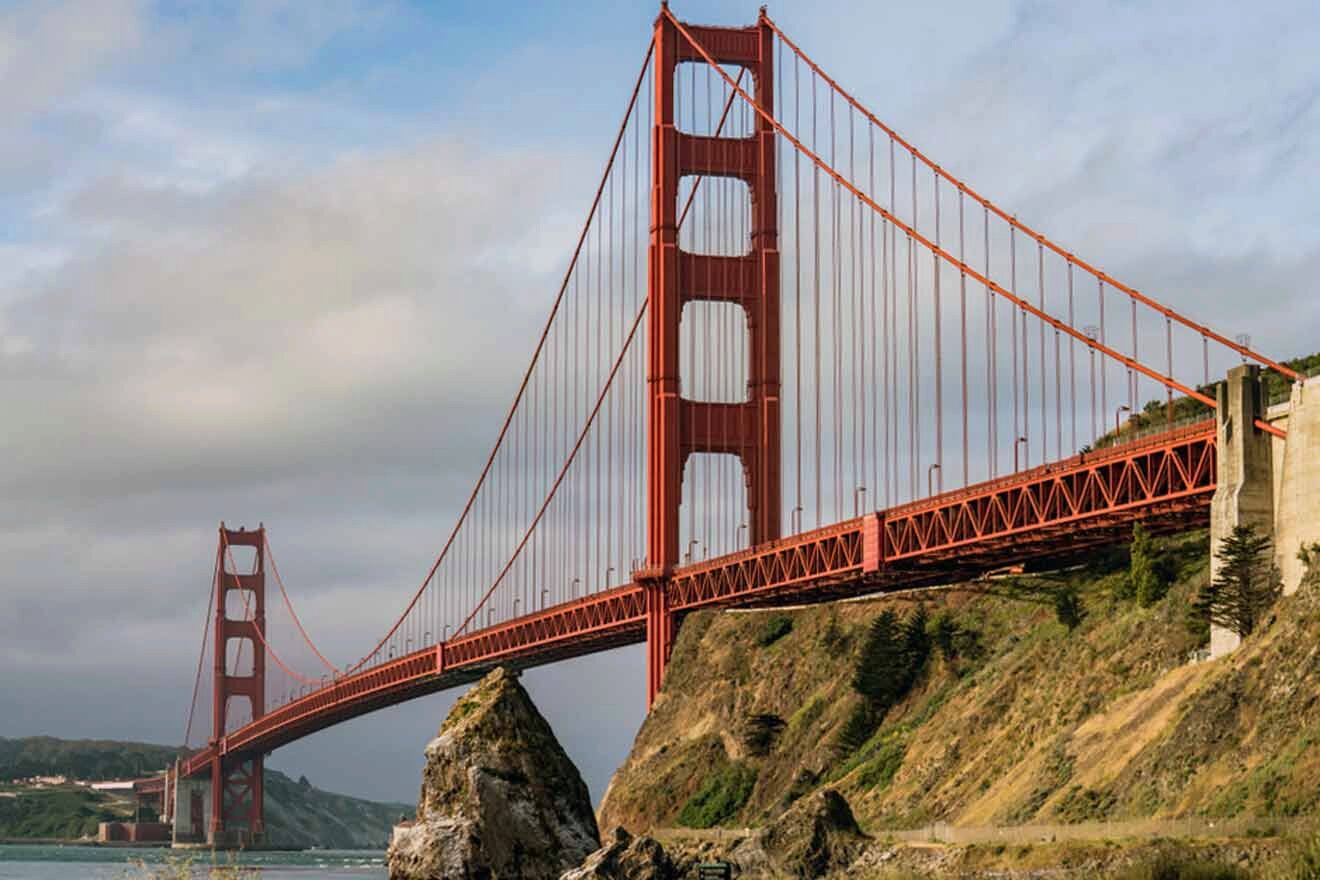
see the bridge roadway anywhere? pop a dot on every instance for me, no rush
(1048, 514)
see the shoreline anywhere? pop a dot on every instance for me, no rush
(154, 844)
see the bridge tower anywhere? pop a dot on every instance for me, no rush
(677, 426)
(236, 783)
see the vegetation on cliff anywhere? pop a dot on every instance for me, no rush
(1002, 710)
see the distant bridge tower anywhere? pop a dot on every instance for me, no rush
(679, 427)
(237, 815)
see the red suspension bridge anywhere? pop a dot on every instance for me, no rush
(791, 358)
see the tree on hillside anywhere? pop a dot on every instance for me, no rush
(944, 634)
(916, 645)
(1248, 583)
(1068, 606)
(1146, 582)
(881, 666)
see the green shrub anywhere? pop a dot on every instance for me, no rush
(720, 798)
(776, 627)
(879, 770)
(856, 729)
(808, 714)
(1068, 607)
(943, 634)
(1146, 580)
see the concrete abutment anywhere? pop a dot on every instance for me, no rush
(1264, 480)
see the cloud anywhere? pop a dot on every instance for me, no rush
(48, 49)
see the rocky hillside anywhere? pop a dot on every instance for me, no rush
(1010, 716)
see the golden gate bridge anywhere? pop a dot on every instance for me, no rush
(791, 358)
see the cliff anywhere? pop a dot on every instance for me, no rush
(1011, 717)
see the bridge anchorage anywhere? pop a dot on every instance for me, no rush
(856, 374)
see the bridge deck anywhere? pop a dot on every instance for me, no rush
(1047, 514)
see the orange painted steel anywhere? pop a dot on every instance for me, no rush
(1054, 512)
(236, 786)
(679, 427)
(596, 623)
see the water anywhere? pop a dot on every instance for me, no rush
(117, 863)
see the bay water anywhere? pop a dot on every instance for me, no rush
(120, 863)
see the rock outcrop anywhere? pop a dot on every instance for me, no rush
(626, 858)
(815, 836)
(500, 798)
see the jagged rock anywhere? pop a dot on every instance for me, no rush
(815, 836)
(500, 798)
(626, 858)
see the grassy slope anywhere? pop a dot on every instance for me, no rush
(1107, 721)
(65, 814)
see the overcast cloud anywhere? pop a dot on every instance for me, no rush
(284, 262)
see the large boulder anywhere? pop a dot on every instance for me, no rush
(499, 800)
(814, 837)
(626, 858)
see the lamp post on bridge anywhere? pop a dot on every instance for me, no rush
(1016, 443)
(930, 479)
(1118, 413)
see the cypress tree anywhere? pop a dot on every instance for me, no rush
(1248, 583)
(880, 669)
(916, 646)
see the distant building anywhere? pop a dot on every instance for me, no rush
(113, 786)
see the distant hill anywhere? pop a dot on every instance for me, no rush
(297, 813)
(82, 758)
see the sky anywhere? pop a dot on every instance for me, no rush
(283, 262)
